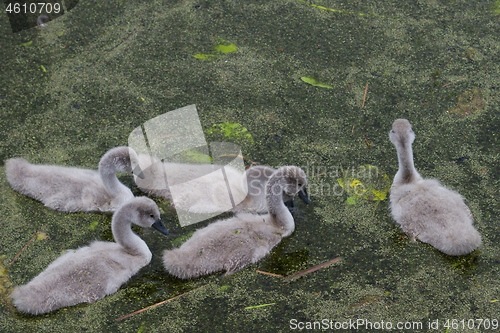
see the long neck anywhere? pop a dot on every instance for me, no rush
(279, 215)
(111, 182)
(117, 159)
(123, 234)
(406, 172)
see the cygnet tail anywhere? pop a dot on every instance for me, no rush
(467, 245)
(17, 169)
(29, 299)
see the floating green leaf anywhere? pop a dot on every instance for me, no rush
(352, 200)
(226, 48)
(496, 7)
(314, 82)
(193, 156)
(232, 131)
(93, 225)
(258, 306)
(223, 47)
(380, 195)
(366, 182)
(26, 44)
(335, 10)
(41, 236)
(43, 68)
(224, 287)
(205, 56)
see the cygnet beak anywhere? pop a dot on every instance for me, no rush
(138, 172)
(158, 225)
(304, 196)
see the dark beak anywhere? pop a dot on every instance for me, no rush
(158, 225)
(138, 172)
(304, 196)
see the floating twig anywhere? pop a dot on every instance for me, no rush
(123, 40)
(453, 82)
(364, 97)
(312, 269)
(369, 144)
(449, 62)
(272, 274)
(160, 303)
(23, 249)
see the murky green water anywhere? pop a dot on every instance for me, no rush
(112, 66)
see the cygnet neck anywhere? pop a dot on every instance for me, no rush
(115, 160)
(406, 173)
(279, 215)
(123, 234)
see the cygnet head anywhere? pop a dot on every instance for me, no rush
(289, 180)
(401, 133)
(142, 211)
(117, 159)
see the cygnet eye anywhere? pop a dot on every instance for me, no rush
(151, 215)
(300, 185)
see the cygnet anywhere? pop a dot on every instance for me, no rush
(423, 208)
(90, 273)
(73, 189)
(230, 245)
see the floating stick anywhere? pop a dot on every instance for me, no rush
(272, 274)
(452, 82)
(312, 269)
(24, 248)
(155, 305)
(364, 97)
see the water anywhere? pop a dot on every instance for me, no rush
(110, 68)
